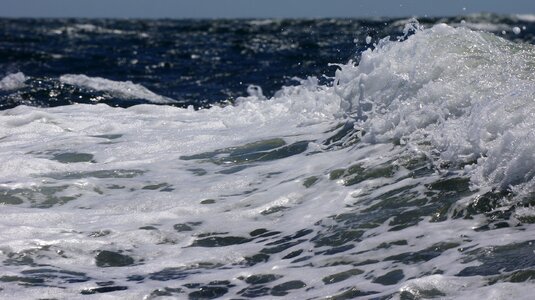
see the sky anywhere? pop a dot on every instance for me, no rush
(257, 8)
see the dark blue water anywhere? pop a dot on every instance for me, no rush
(196, 62)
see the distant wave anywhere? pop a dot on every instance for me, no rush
(120, 89)
(13, 81)
(526, 17)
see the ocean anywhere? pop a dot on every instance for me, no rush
(290, 159)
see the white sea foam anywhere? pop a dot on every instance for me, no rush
(13, 81)
(121, 89)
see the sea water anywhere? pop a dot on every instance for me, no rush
(304, 159)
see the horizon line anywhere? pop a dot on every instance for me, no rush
(263, 18)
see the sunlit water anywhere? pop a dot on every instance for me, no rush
(404, 171)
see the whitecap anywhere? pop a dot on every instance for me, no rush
(526, 17)
(13, 81)
(120, 89)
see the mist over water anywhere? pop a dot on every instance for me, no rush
(333, 159)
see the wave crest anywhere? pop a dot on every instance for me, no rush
(468, 94)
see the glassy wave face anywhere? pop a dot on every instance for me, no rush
(404, 170)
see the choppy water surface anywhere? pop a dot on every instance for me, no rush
(403, 171)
